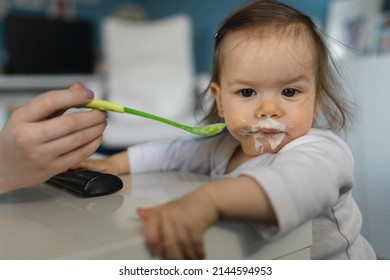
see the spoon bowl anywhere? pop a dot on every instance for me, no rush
(208, 130)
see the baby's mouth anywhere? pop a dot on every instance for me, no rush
(269, 130)
(263, 132)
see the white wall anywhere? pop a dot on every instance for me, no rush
(370, 144)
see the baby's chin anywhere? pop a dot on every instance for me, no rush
(259, 148)
(255, 150)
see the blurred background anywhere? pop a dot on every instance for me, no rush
(156, 56)
(205, 15)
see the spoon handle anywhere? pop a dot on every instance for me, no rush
(110, 106)
(105, 105)
(156, 118)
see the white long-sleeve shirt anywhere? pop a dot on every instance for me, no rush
(310, 178)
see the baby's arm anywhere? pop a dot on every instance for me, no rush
(240, 198)
(116, 164)
(176, 229)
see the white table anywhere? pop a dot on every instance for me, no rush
(47, 223)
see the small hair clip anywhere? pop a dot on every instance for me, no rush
(216, 35)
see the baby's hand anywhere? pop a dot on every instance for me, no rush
(116, 164)
(102, 165)
(175, 229)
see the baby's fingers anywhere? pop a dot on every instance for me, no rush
(96, 165)
(171, 234)
(144, 213)
(153, 233)
(191, 243)
(160, 233)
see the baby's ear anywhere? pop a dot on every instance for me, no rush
(216, 92)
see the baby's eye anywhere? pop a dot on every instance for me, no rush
(289, 92)
(247, 92)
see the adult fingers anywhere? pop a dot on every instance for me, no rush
(75, 140)
(51, 102)
(65, 161)
(61, 126)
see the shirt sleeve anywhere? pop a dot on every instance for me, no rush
(190, 155)
(306, 177)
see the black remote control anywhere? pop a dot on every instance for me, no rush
(87, 183)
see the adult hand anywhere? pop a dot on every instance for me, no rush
(39, 141)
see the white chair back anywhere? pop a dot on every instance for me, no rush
(149, 67)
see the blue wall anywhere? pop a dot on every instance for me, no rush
(206, 15)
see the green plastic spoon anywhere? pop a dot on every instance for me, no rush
(208, 130)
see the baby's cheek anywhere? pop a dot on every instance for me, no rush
(234, 129)
(236, 121)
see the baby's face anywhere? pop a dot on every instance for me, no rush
(267, 90)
